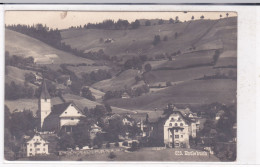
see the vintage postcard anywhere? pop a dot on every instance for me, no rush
(120, 86)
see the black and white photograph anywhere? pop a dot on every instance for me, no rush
(120, 86)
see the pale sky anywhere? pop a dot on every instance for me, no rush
(63, 20)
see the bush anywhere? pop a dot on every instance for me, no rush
(135, 24)
(125, 143)
(108, 145)
(86, 92)
(30, 77)
(165, 38)
(156, 39)
(134, 147)
(160, 22)
(112, 155)
(116, 144)
(147, 23)
(168, 83)
(148, 67)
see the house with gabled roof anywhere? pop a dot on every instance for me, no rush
(128, 120)
(62, 116)
(178, 129)
(125, 95)
(35, 146)
(172, 128)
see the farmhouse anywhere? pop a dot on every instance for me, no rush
(125, 95)
(128, 120)
(61, 116)
(35, 146)
(219, 114)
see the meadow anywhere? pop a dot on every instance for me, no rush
(196, 92)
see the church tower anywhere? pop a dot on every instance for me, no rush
(44, 103)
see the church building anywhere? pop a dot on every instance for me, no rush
(58, 117)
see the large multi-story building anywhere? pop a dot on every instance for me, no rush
(35, 146)
(172, 128)
(178, 129)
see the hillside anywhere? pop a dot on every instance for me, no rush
(203, 34)
(125, 79)
(194, 92)
(25, 46)
(186, 55)
(17, 75)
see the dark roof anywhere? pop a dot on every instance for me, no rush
(58, 109)
(129, 118)
(165, 116)
(44, 92)
(37, 134)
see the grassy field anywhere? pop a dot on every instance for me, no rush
(23, 45)
(86, 69)
(188, 59)
(21, 104)
(203, 34)
(147, 154)
(125, 79)
(226, 61)
(177, 75)
(17, 75)
(81, 102)
(194, 92)
(28, 104)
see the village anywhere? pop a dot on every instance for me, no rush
(123, 90)
(99, 133)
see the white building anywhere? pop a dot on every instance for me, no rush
(61, 116)
(36, 146)
(127, 120)
(177, 130)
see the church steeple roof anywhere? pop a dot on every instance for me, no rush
(44, 92)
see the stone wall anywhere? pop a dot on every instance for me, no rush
(89, 152)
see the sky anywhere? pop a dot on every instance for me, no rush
(63, 19)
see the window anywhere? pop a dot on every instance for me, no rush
(71, 118)
(176, 124)
(176, 130)
(43, 144)
(38, 149)
(170, 124)
(78, 112)
(179, 119)
(172, 119)
(181, 136)
(177, 144)
(181, 124)
(177, 136)
(65, 112)
(30, 149)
